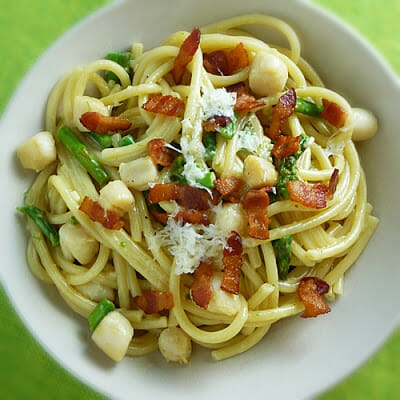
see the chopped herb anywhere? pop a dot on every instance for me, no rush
(122, 244)
(74, 221)
(283, 255)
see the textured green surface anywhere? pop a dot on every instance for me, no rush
(27, 28)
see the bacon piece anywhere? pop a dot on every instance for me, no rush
(192, 217)
(101, 124)
(333, 181)
(222, 62)
(109, 219)
(164, 192)
(215, 122)
(313, 196)
(159, 153)
(310, 293)
(244, 100)
(201, 288)
(286, 146)
(255, 203)
(153, 302)
(238, 59)
(229, 187)
(283, 110)
(216, 62)
(185, 55)
(160, 217)
(192, 198)
(232, 261)
(333, 113)
(167, 105)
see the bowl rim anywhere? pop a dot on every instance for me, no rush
(335, 20)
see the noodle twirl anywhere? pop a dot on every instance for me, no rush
(197, 192)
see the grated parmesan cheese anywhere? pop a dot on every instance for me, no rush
(253, 143)
(190, 244)
(217, 102)
(192, 172)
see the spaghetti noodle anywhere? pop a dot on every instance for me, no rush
(239, 162)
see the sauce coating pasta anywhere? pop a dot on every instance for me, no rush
(207, 187)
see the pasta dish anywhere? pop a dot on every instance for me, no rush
(197, 192)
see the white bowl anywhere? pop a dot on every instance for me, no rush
(299, 358)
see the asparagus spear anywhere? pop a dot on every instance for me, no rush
(83, 155)
(126, 141)
(122, 59)
(229, 130)
(103, 141)
(207, 180)
(308, 108)
(40, 220)
(283, 247)
(210, 142)
(102, 309)
(177, 168)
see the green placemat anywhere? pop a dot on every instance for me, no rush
(27, 28)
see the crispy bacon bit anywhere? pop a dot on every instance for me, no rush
(153, 302)
(244, 100)
(229, 187)
(216, 62)
(192, 217)
(159, 153)
(286, 146)
(232, 261)
(222, 62)
(201, 288)
(101, 124)
(238, 59)
(190, 197)
(313, 196)
(195, 198)
(160, 217)
(255, 203)
(283, 110)
(333, 113)
(164, 192)
(109, 219)
(167, 105)
(215, 122)
(332, 184)
(310, 293)
(185, 55)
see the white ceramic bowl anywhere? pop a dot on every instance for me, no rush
(299, 358)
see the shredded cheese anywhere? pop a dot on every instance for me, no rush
(253, 143)
(190, 244)
(192, 172)
(217, 102)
